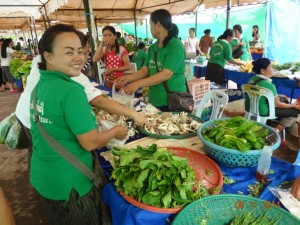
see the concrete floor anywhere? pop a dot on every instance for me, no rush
(14, 177)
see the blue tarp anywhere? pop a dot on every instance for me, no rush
(283, 31)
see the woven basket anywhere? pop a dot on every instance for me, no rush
(221, 209)
(232, 157)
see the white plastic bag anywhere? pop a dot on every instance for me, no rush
(106, 125)
(287, 199)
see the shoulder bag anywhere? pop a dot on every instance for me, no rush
(238, 52)
(177, 101)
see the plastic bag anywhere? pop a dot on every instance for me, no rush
(16, 138)
(5, 125)
(287, 199)
(106, 125)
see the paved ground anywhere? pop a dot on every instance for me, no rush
(14, 177)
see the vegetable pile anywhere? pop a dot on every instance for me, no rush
(237, 133)
(250, 218)
(156, 177)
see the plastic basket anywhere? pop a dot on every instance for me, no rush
(232, 157)
(200, 163)
(197, 88)
(221, 209)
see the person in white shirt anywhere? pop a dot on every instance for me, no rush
(93, 95)
(192, 43)
(6, 56)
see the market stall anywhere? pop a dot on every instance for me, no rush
(285, 85)
(237, 180)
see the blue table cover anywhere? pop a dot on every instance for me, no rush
(284, 85)
(124, 213)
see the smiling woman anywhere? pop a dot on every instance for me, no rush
(68, 196)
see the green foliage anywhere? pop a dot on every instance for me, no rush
(130, 46)
(154, 176)
(14, 65)
(19, 67)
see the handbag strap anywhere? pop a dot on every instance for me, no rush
(68, 156)
(165, 84)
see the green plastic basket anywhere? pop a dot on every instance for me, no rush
(221, 209)
(233, 157)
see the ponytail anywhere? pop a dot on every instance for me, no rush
(171, 33)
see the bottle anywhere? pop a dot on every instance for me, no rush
(264, 164)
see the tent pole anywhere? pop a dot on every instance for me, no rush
(228, 14)
(46, 14)
(30, 33)
(44, 21)
(147, 29)
(96, 28)
(196, 23)
(135, 31)
(36, 38)
(88, 11)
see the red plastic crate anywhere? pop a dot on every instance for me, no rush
(197, 88)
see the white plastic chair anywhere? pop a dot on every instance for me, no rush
(218, 99)
(255, 93)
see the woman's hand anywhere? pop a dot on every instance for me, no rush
(121, 132)
(108, 71)
(296, 188)
(295, 105)
(122, 81)
(139, 119)
(131, 88)
(242, 43)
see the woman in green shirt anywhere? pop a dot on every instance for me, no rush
(220, 53)
(67, 194)
(286, 113)
(165, 62)
(239, 41)
(141, 55)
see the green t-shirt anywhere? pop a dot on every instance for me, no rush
(263, 102)
(121, 41)
(245, 56)
(171, 57)
(140, 58)
(220, 52)
(64, 112)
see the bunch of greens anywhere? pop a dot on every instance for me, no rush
(14, 65)
(293, 67)
(251, 218)
(237, 133)
(154, 176)
(256, 189)
(24, 69)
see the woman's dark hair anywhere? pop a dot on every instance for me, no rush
(193, 29)
(113, 30)
(238, 28)
(207, 31)
(255, 26)
(83, 38)
(260, 64)
(47, 40)
(165, 19)
(141, 45)
(227, 33)
(5, 44)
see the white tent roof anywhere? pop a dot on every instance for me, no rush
(105, 11)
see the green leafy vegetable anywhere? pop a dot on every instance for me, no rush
(155, 176)
(237, 133)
